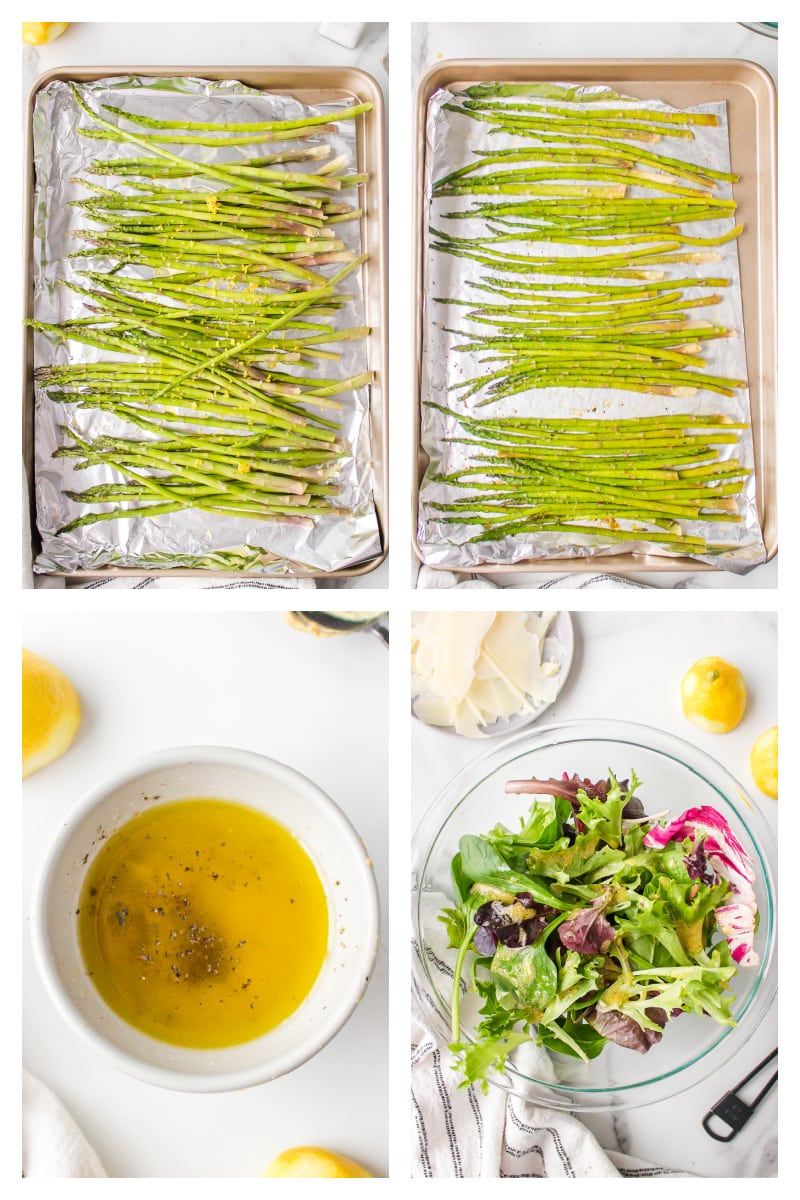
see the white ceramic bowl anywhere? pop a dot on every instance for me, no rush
(289, 798)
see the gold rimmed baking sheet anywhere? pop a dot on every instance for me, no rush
(309, 85)
(683, 83)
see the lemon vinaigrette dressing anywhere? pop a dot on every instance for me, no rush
(203, 923)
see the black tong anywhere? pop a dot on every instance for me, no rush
(735, 1112)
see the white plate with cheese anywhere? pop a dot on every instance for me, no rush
(486, 674)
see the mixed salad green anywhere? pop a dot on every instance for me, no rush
(594, 923)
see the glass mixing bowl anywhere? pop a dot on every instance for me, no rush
(768, 28)
(675, 776)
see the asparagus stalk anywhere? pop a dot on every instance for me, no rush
(584, 277)
(208, 357)
(629, 476)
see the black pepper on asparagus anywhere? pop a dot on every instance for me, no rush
(588, 274)
(543, 475)
(220, 350)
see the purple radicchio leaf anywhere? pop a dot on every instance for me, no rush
(535, 926)
(493, 914)
(485, 940)
(720, 840)
(498, 922)
(620, 1028)
(698, 867)
(728, 859)
(588, 931)
(512, 936)
(526, 931)
(737, 923)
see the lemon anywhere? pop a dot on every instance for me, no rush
(714, 695)
(51, 713)
(764, 762)
(38, 33)
(310, 1162)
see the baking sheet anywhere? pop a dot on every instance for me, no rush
(191, 538)
(749, 95)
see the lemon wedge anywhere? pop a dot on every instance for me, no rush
(714, 695)
(39, 33)
(764, 762)
(311, 1162)
(51, 713)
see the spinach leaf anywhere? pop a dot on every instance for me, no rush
(529, 972)
(460, 882)
(576, 1039)
(513, 881)
(479, 862)
(479, 858)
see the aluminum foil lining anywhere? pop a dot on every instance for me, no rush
(188, 538)
(451, 140)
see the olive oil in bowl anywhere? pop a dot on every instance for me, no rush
(203, 923)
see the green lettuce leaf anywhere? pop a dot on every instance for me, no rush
(574, 1038)
(577, 977)
(603, 817)
(476, 1061)
(542, 828)
(529, 973)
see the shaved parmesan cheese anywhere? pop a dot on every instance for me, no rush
(470, 670)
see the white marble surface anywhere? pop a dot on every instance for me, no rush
(434, 41)
(200, 43)
(431, 42)
(241, 680)
(628, 667)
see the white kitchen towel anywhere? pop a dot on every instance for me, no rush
(463, 1133)
(53, 1146)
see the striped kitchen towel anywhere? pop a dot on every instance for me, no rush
(466, 1133)
(163, 582)
(462, 1133)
